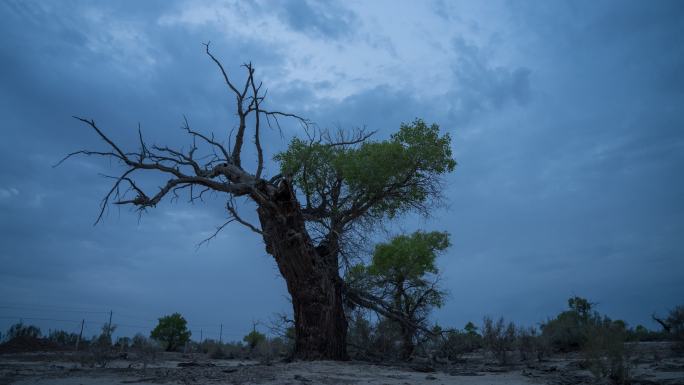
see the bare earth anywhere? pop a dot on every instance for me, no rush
(653, 364)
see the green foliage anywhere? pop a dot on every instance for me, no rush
(372, 179)
(171, 330)
(254, 338)
(580, 305)
(471, 329)
(21, 330)
(408, 257)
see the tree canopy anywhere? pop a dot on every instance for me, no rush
(344, 182)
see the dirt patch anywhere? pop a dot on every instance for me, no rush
(651, 365)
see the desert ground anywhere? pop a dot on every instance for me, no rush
(651, 363)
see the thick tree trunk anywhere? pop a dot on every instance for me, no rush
(312, 279)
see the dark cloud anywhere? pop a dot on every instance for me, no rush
(481, 87)
(318, 18)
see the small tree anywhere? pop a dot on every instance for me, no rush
(254, 338)
(404, 274)
(171, 330)
(105, 337)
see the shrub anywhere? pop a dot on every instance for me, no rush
(569, 330)
(359, 336)
(498, 338)
(104, 340)
(451, 345)
(62, 338)
(676, 321)
(605, 353)
(21, 330)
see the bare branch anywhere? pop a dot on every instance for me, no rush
(233, 212)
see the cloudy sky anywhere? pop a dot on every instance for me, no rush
(566, 119)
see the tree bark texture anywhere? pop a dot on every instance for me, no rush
(312, 278)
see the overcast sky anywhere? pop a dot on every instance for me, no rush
(566, 119)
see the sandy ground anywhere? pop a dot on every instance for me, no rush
(652, 365)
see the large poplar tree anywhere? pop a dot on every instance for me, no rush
(328, 187)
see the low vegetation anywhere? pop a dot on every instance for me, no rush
(603, 345)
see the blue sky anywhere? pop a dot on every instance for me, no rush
(565, 117)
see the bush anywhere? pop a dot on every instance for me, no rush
(62, 338)
(104, 340)
(498, 338)
(451, 345)
(676, 322)
(530, 344)
(21, 330)
(359, 336)
(605, 353)
(569, 330)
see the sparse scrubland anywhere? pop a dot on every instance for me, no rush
(577, 346)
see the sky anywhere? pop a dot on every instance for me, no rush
(565, 117)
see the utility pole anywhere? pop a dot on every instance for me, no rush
(221, 334)
(80, 334)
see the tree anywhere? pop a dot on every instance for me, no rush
(105, 337)
(404, 274)
(345, 182)
(254, 338)
(171, 330)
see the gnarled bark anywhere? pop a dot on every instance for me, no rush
(311, 275)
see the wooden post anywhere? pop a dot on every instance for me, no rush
(80, 334)
(109, 328)
(221, 334)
